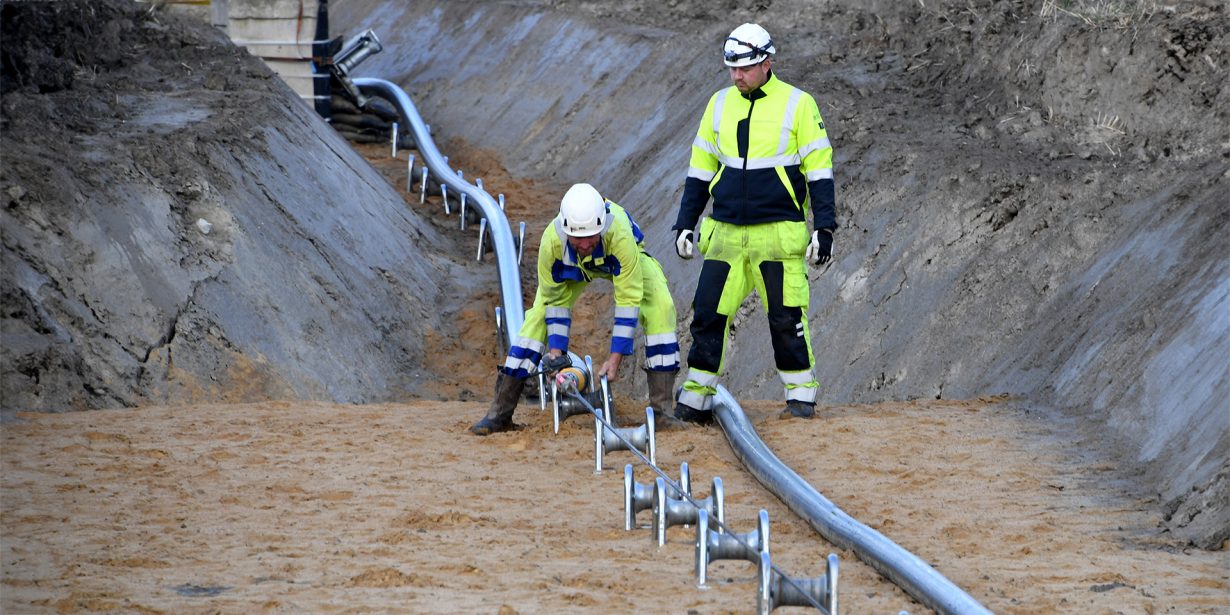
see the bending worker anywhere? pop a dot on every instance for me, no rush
(592, 238)
(763, 154)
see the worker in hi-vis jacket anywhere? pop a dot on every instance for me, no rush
(763, 155)
(592, 238)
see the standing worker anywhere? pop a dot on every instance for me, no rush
(592, 238)
(763, 154)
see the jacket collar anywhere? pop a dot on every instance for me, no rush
(572, 258)
(764, 90)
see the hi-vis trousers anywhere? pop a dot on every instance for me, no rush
(769, 258)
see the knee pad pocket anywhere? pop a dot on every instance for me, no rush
(795, 292)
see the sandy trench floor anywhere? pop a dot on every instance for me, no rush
(293, 508)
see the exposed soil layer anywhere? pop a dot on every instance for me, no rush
(178, 227)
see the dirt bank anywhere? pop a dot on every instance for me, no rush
(177, 227)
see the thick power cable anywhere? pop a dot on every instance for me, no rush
(501, 233)
(906, 570)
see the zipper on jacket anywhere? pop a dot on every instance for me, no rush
(743, 176)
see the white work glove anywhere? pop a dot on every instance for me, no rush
(820, 250)
(683, 243)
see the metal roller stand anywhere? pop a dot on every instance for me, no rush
(642, 438)
(444, 192)
(556, 398)
(557, 402)
(563, 408)
(542, 387)
(668, 511)
(774, 590)
(476, 214)
(499, 329)
(555, 389)
(589, 369)
(713, 545)
(482, 234)
(638, 497)
(461, 174)
(520, 241)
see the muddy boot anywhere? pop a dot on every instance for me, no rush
(499, 416)
(687, 413)
(661, 398)
(798, 410)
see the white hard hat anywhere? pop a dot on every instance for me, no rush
(747, 45)
(583, 211)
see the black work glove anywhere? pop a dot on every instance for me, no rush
(820, 250)
(554, 364)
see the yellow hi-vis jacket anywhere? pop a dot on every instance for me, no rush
(760, 156)
(641, 296)
(616, 258)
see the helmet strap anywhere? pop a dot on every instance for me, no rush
(755, 51)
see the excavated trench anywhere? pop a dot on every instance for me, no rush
(983, 250)
(987, 247)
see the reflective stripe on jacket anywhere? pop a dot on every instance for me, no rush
(760, 156)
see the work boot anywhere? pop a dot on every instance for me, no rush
(499, 416)
(798, 409)
(687, 413)
(661, 397)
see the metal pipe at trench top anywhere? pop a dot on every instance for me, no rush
(904, 569)
(501, 232)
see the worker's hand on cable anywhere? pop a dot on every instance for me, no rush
(683, 243)
(820, 250)
(553, 363)
(610, 369)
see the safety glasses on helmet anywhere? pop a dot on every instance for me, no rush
(731, 56)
